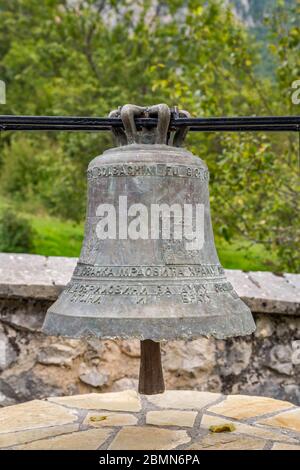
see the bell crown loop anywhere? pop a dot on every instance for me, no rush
(161, 134)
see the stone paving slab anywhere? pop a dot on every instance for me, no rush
(279, 446)
(288, 420)
(241, 406)
(41, 277)
(178, 419)
(248, 429)
(23, 437)
(148, 438)
(184, 399)
(127, 400)
(34, 414)
(171, 418)
(228, 442)
(82, 440)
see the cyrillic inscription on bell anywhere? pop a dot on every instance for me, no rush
(148, 267)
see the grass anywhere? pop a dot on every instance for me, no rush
(54, 237)
(240, 255)
(57, 238)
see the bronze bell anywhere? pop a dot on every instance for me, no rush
(148, 267)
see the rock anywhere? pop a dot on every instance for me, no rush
(264, 328)
(27, 384)
(280, 359)
(282, 329)
(8, 354)
(95, 344)
(189, 357)
(94, 350)
(83, 440)
(125, 384)
(214, 383)
(24, 314)
(171, 418)
(71, 389)
(292, 391)
(119, 401)
(7, 394)
(92, 376)
(237, 358)
(241, 406)
(183, 399)
(143, 438)
(296, 352)
(6, 401)
(131, 348)
(258, 386)
(58, 354)
(294, 326)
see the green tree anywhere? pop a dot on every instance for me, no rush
(88, 57)
(16, 233)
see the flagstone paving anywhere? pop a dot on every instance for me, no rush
(179, 419)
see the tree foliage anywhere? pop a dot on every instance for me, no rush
(16, 233)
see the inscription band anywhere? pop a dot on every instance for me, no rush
(156, 272)
(188, 293)
(160, 169)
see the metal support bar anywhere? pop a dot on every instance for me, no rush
(214, 124)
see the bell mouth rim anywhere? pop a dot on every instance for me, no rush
(156, 329)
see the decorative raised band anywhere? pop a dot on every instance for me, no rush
(206, 271)
(140, 169)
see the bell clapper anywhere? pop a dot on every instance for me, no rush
(151, 379)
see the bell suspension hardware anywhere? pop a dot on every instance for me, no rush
(96, 124)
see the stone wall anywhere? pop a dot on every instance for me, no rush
(35, 366)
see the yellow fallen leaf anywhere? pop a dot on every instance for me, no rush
(97, 418)
(225, 427)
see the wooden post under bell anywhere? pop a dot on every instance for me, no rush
(151, 379)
